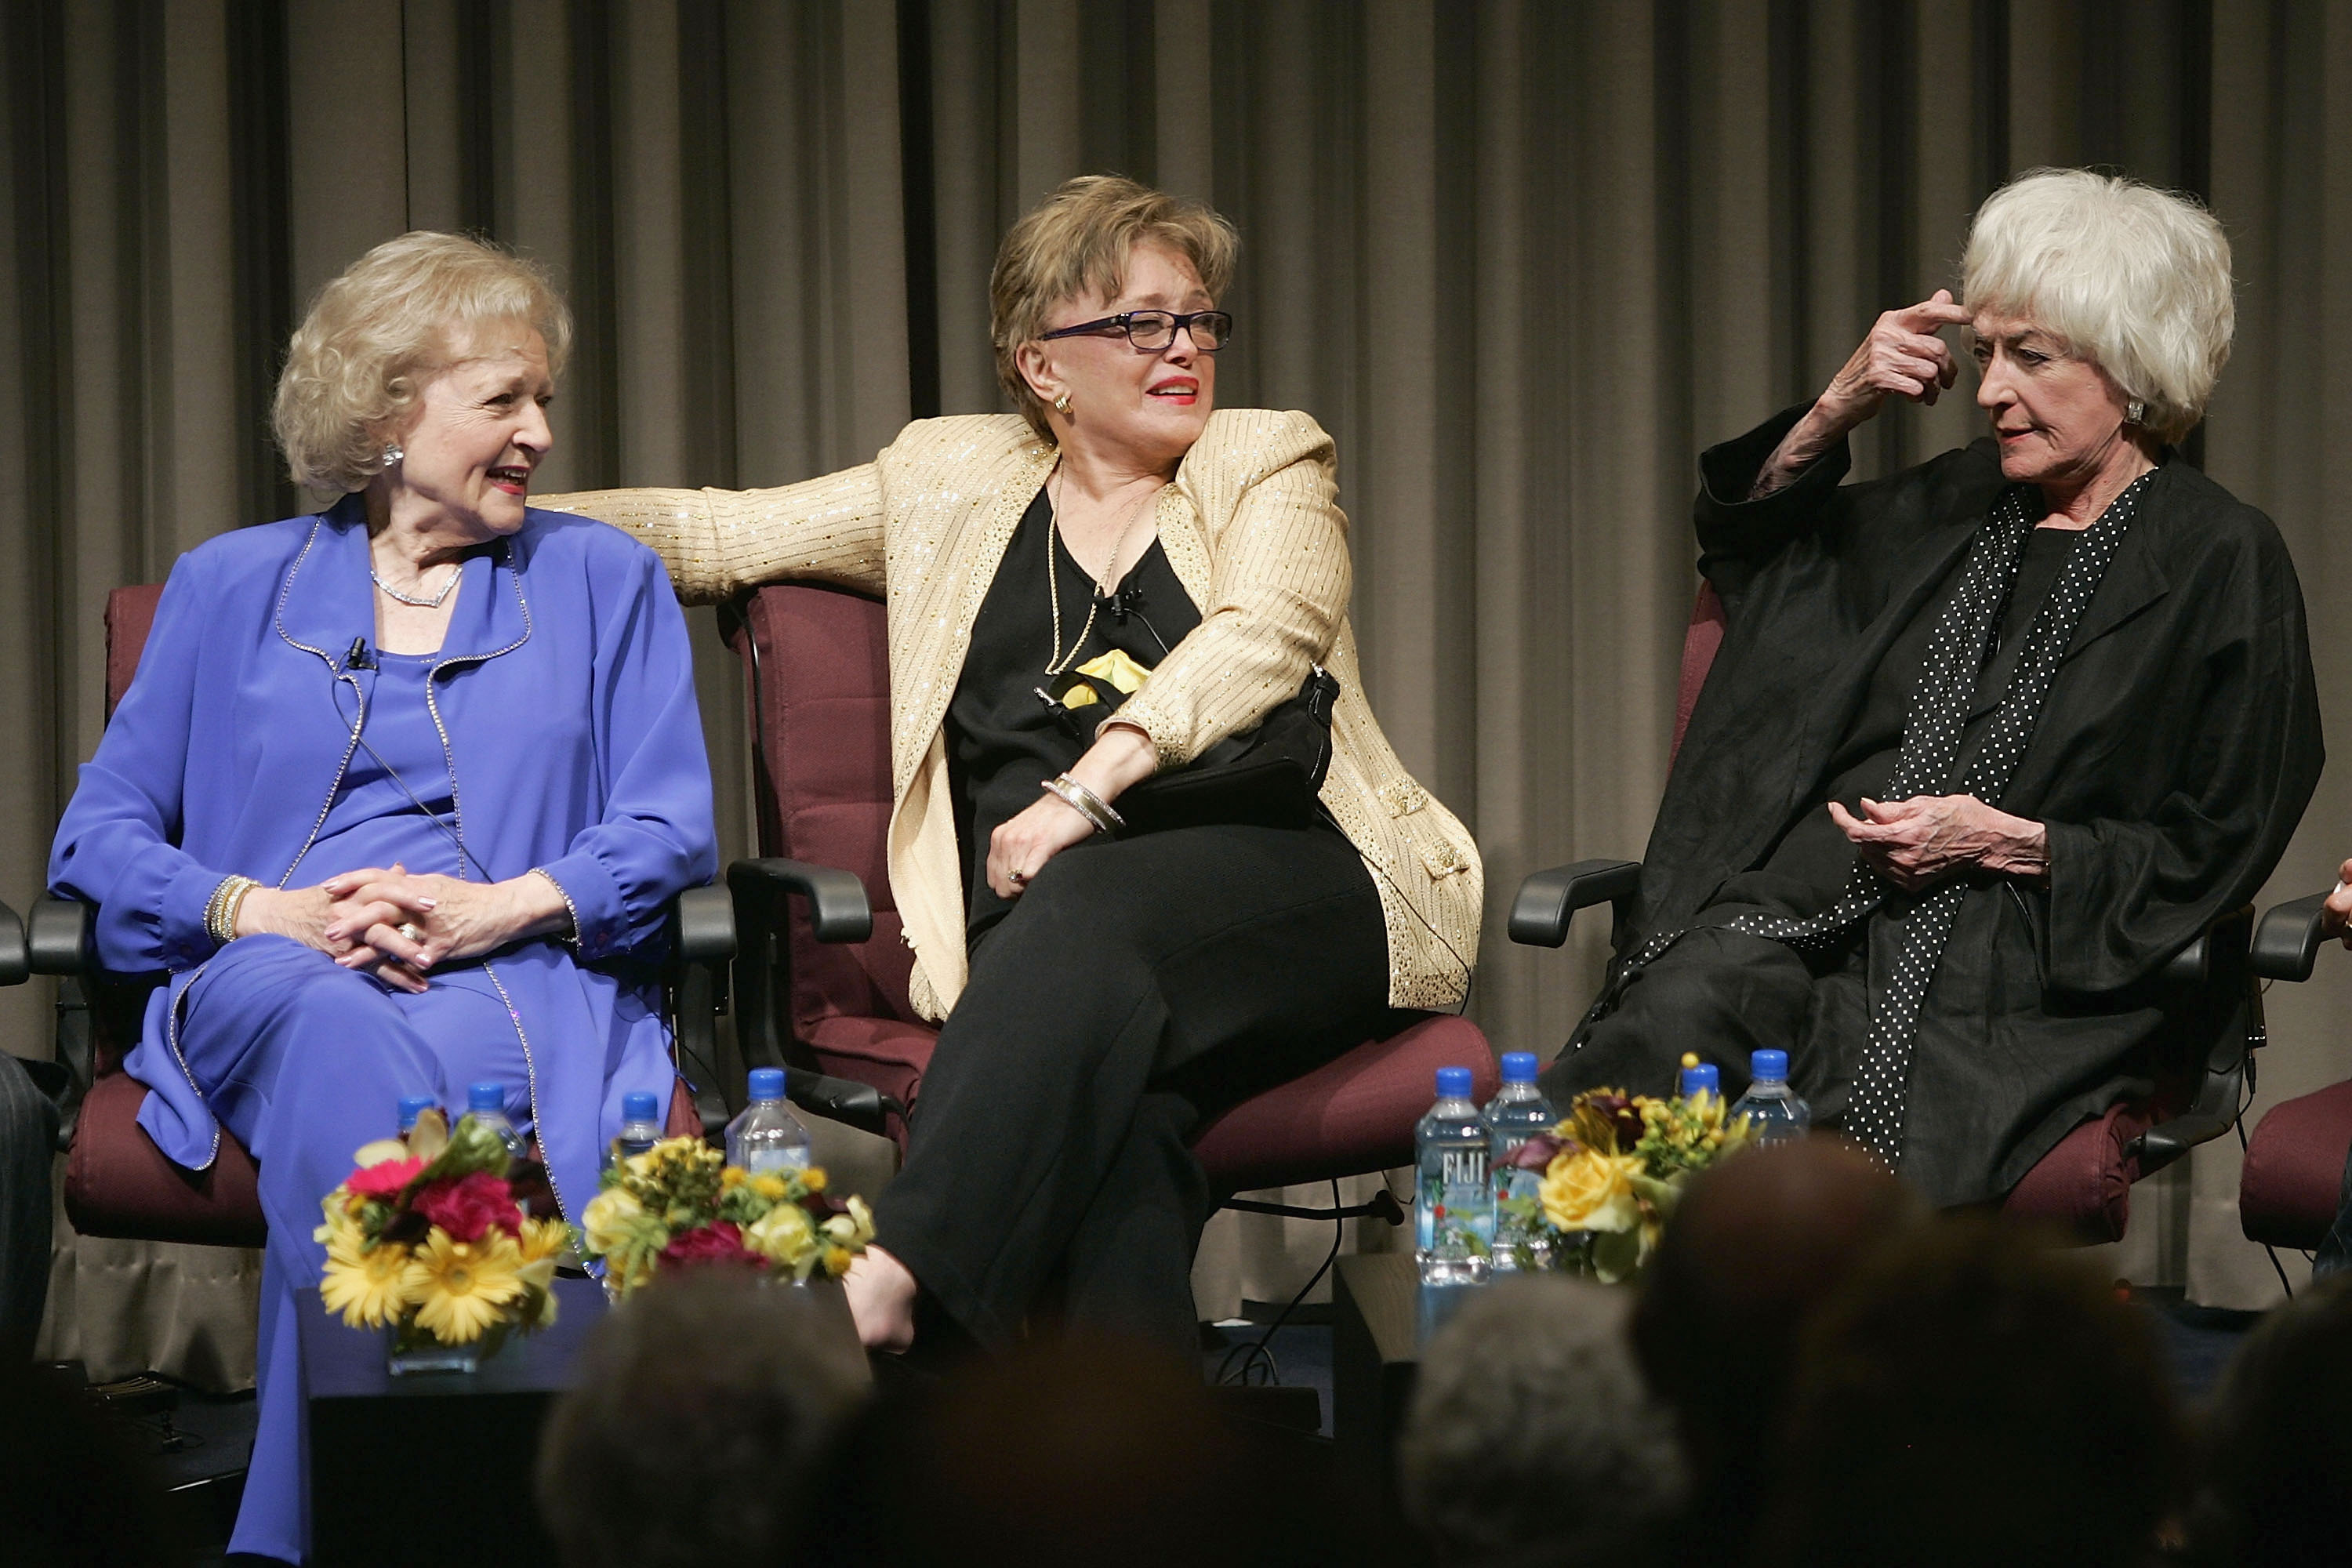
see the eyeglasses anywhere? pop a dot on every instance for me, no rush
(1152, 330)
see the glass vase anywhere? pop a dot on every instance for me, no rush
(410, 1351)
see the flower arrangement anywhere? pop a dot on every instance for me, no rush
(434, 1239)
(1613, 1172)
(679, 1204)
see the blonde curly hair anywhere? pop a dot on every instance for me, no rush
(1078, 241)
(376, 335)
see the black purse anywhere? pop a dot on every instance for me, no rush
(1269, 776)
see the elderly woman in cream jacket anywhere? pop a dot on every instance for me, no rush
(1081, 597)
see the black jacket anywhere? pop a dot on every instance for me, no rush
(2175, 753)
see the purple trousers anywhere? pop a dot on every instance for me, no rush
(305, 1061)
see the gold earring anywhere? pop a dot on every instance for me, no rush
(1062, 404)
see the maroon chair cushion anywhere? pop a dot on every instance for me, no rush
(118, 1184)
(2084, 1185)
(2294, 1175)
(1701, 642)
(817, 673)
(890, 1054)
(130, 615)
(1348, 1117)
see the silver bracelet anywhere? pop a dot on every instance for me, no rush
(1085, 802)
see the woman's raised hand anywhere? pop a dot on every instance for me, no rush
(1902, 355)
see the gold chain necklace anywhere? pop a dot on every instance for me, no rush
(1062, 661)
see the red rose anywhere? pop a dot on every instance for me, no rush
(1536, 1153)
(469, 1205)
(717, 1242)
(385, 1180)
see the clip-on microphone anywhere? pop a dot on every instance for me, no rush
(358, 655)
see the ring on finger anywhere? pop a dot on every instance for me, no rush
(1016, 878)
(409, 929)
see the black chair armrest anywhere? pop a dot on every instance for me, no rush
(706, 926)
(2286, 945)
(860, 1105)
(16, 961)
(837, 908)
(61, 938)
(1548, 900)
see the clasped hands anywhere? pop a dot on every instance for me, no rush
(357, 918)
(1915, 842)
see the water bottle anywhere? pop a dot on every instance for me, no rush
(1516, 1113)
(1771, 1106)
(485, 1102)
(640, 1130)
(768, 1136)
(413, 1106)
(1697, 1075)
(1456, 1218)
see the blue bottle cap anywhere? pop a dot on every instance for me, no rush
(1452, 1083)
(1519, 1067)
(486, 1096)
(638, 1105)
(413, 1106)
(1702, 1077)
(1769, 1067)
(767, 1083)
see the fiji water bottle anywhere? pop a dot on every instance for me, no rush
(768, 1136)
(639, 1128)
(1771, 1106)
(413, 1106)
(1697, 1075)
(1516, 1113)
(1456, 1208)
(486, 1104)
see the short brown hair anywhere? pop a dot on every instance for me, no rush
(373, 336)
(1078, 241)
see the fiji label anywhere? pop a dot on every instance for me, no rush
(1457, 1210)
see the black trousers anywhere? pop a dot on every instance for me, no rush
(28, 1139)
(1722, 995)
(1138, 985)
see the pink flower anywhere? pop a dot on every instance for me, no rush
(385, 1180)
(469, 1205)
(718, 1242)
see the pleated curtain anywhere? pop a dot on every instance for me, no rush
(1522, 257)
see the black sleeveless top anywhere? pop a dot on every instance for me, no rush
(1003, 736)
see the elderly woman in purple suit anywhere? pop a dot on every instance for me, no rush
(401, 789)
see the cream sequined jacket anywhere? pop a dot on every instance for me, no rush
(1252, 526)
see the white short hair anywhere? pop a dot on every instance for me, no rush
(376, 335)
(1532, 1426)
(2135, 279)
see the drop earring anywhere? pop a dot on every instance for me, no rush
(1062, 404)
(393, 453)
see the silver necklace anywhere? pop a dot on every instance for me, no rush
(457, 569)
(1062, 661)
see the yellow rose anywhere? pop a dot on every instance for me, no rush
(610, 1218)
(1585, 1189)
(783, 1235)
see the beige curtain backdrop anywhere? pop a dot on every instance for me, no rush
(1523, 257)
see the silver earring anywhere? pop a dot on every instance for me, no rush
(1062, 404)
(2134, 412)
(393, 453)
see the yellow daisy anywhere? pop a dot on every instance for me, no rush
(464, 1288)
(370, 1288)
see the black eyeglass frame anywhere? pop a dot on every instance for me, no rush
(1177, 322)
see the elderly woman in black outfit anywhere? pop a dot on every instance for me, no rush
(1988, 740)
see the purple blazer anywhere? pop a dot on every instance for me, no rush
(566, 688)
